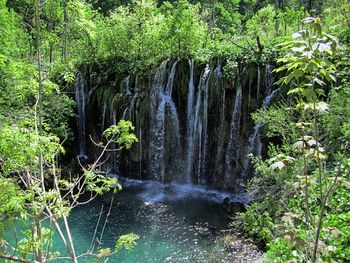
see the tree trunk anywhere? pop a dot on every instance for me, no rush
(37, 230)
(64, 36)
(212, 24)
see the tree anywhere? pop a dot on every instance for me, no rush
(300, 185)
(28, 157)
(308, 68)
(21, 150)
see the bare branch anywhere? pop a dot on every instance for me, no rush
(105, 223)
(17, 259)
(104, 146)
(92, 245)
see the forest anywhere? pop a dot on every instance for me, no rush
(174, 131)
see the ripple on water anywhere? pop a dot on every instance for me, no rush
(175, 223)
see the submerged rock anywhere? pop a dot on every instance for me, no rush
(233, 207)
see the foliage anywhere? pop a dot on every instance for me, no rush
(306, 175)
(121, 133)
(12, 204)
(34, 112)
(257, 223)
(263, 23)
(127, 241)
(21, 154)
(309, 65)
(182, 23)
(339, 24)
(13, 41)
(43, 42)
(20, 148)
(278, 121)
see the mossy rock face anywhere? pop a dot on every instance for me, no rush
(109, 100)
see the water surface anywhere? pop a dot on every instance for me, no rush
(176, 223)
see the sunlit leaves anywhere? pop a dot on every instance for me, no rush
(122, 133)
(262, 23)
(20, 148)
(12, 199)
(104, 252)
(289, 217)
(310, 147)
(345, 182)
(280, 161)
(308, 66)
(98, 183)
(127, 241)
(318, 107)
(184, 29)
(13, 41)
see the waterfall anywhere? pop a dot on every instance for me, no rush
(156, 168)
(269, 78)
(254, 142)
(114, 154)
(233, 145)
(127, 86)
(258, 84)
(113, 118)
(138, 123)
(203, 135)
(190, 126)
(81, 96)
(159, 153)
(221, 133)
(169, 86)
(193, 124)
(104, 109)
(135, 96)
(140, 151)
(196, 126)
(268, 99)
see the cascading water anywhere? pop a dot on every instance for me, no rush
(192, 121)
(114, 154)
(166, 110)
(156, 168)
(195, 154)
(203, 150)
(140, 152)
(233, 147)
(127, 86)
(135, 108)
(221, 137)
(190, 126)
(255, 146)
(269, 78)
(81, 96)
(258, 84)
(131, 107)
(104, 110)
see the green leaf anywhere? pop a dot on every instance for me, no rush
(344, 181)
(127, 241)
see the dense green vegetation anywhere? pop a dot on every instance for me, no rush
(301, 203)
(302, 187)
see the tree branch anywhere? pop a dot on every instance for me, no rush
(17, 259)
